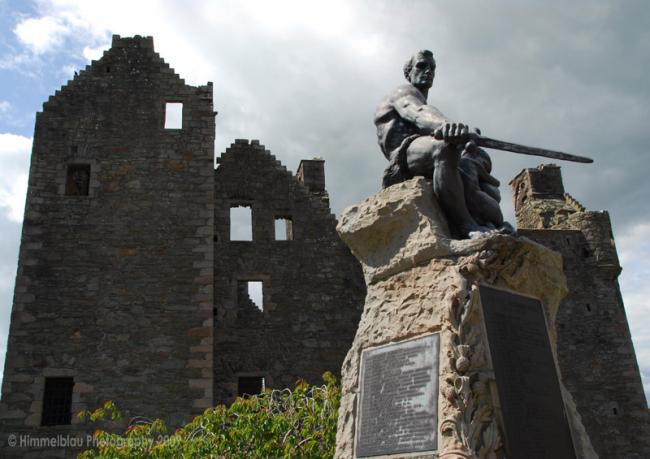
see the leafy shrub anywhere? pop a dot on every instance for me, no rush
(276, 424)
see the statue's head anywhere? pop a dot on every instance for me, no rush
(420, 69)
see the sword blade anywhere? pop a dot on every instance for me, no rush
(524, 150)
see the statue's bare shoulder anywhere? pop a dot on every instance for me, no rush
(409, 104)
(400, 96)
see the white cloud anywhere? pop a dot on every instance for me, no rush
(92, 54)
(333, 19)
(41, 34)
(22, 61)
(633, 243)
(11, 144)
(68, 71)
(634, 253)
(4, 106)
(14, 154)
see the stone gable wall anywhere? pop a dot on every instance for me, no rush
(115, 288)
(313, 287)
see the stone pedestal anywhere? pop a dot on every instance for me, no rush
(427, 295)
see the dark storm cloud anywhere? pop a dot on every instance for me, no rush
(561, 76)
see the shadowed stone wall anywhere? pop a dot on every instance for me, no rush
(117, 262)
(313, 287)
(115, 288)
(595, 349)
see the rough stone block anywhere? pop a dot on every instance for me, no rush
(395, 229)
(200, 383)
(200, 332)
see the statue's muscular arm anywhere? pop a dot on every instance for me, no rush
(434, 158)
(411, 106)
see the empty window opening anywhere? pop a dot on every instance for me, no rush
(250, 299)
(173, 115)
(241, 223)
(251, 293)
(585, 253)
(615, 411)
(250, 385)
(57, 401)
(283, 229)
(77, 182)
(108, 69)
(588, 307)
(256, 293)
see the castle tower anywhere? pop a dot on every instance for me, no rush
(113, 297)
(310, 289)
(595, 350)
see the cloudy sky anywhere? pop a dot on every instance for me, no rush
(305, 77)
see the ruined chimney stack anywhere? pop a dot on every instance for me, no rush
(311, 173)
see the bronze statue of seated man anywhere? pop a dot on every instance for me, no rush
(419, 140)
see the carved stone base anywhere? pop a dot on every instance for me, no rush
(421, 283)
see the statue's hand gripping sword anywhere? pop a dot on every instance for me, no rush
(487, 142)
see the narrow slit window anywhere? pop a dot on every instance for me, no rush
(250, 385)
(57, 401)
(283, 229)
(173, 115)
(77, 182)
(241, 223)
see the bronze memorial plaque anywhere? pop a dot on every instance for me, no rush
(399, 398)
(534, 419)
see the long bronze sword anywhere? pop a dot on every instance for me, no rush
(517, 148)
(524, 150)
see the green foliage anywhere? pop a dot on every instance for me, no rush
(276, 424)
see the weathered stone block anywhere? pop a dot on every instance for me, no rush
(395, 229)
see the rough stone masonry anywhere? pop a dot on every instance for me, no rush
(128, 285)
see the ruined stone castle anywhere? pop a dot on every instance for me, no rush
(595, 350)
(131, 286)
